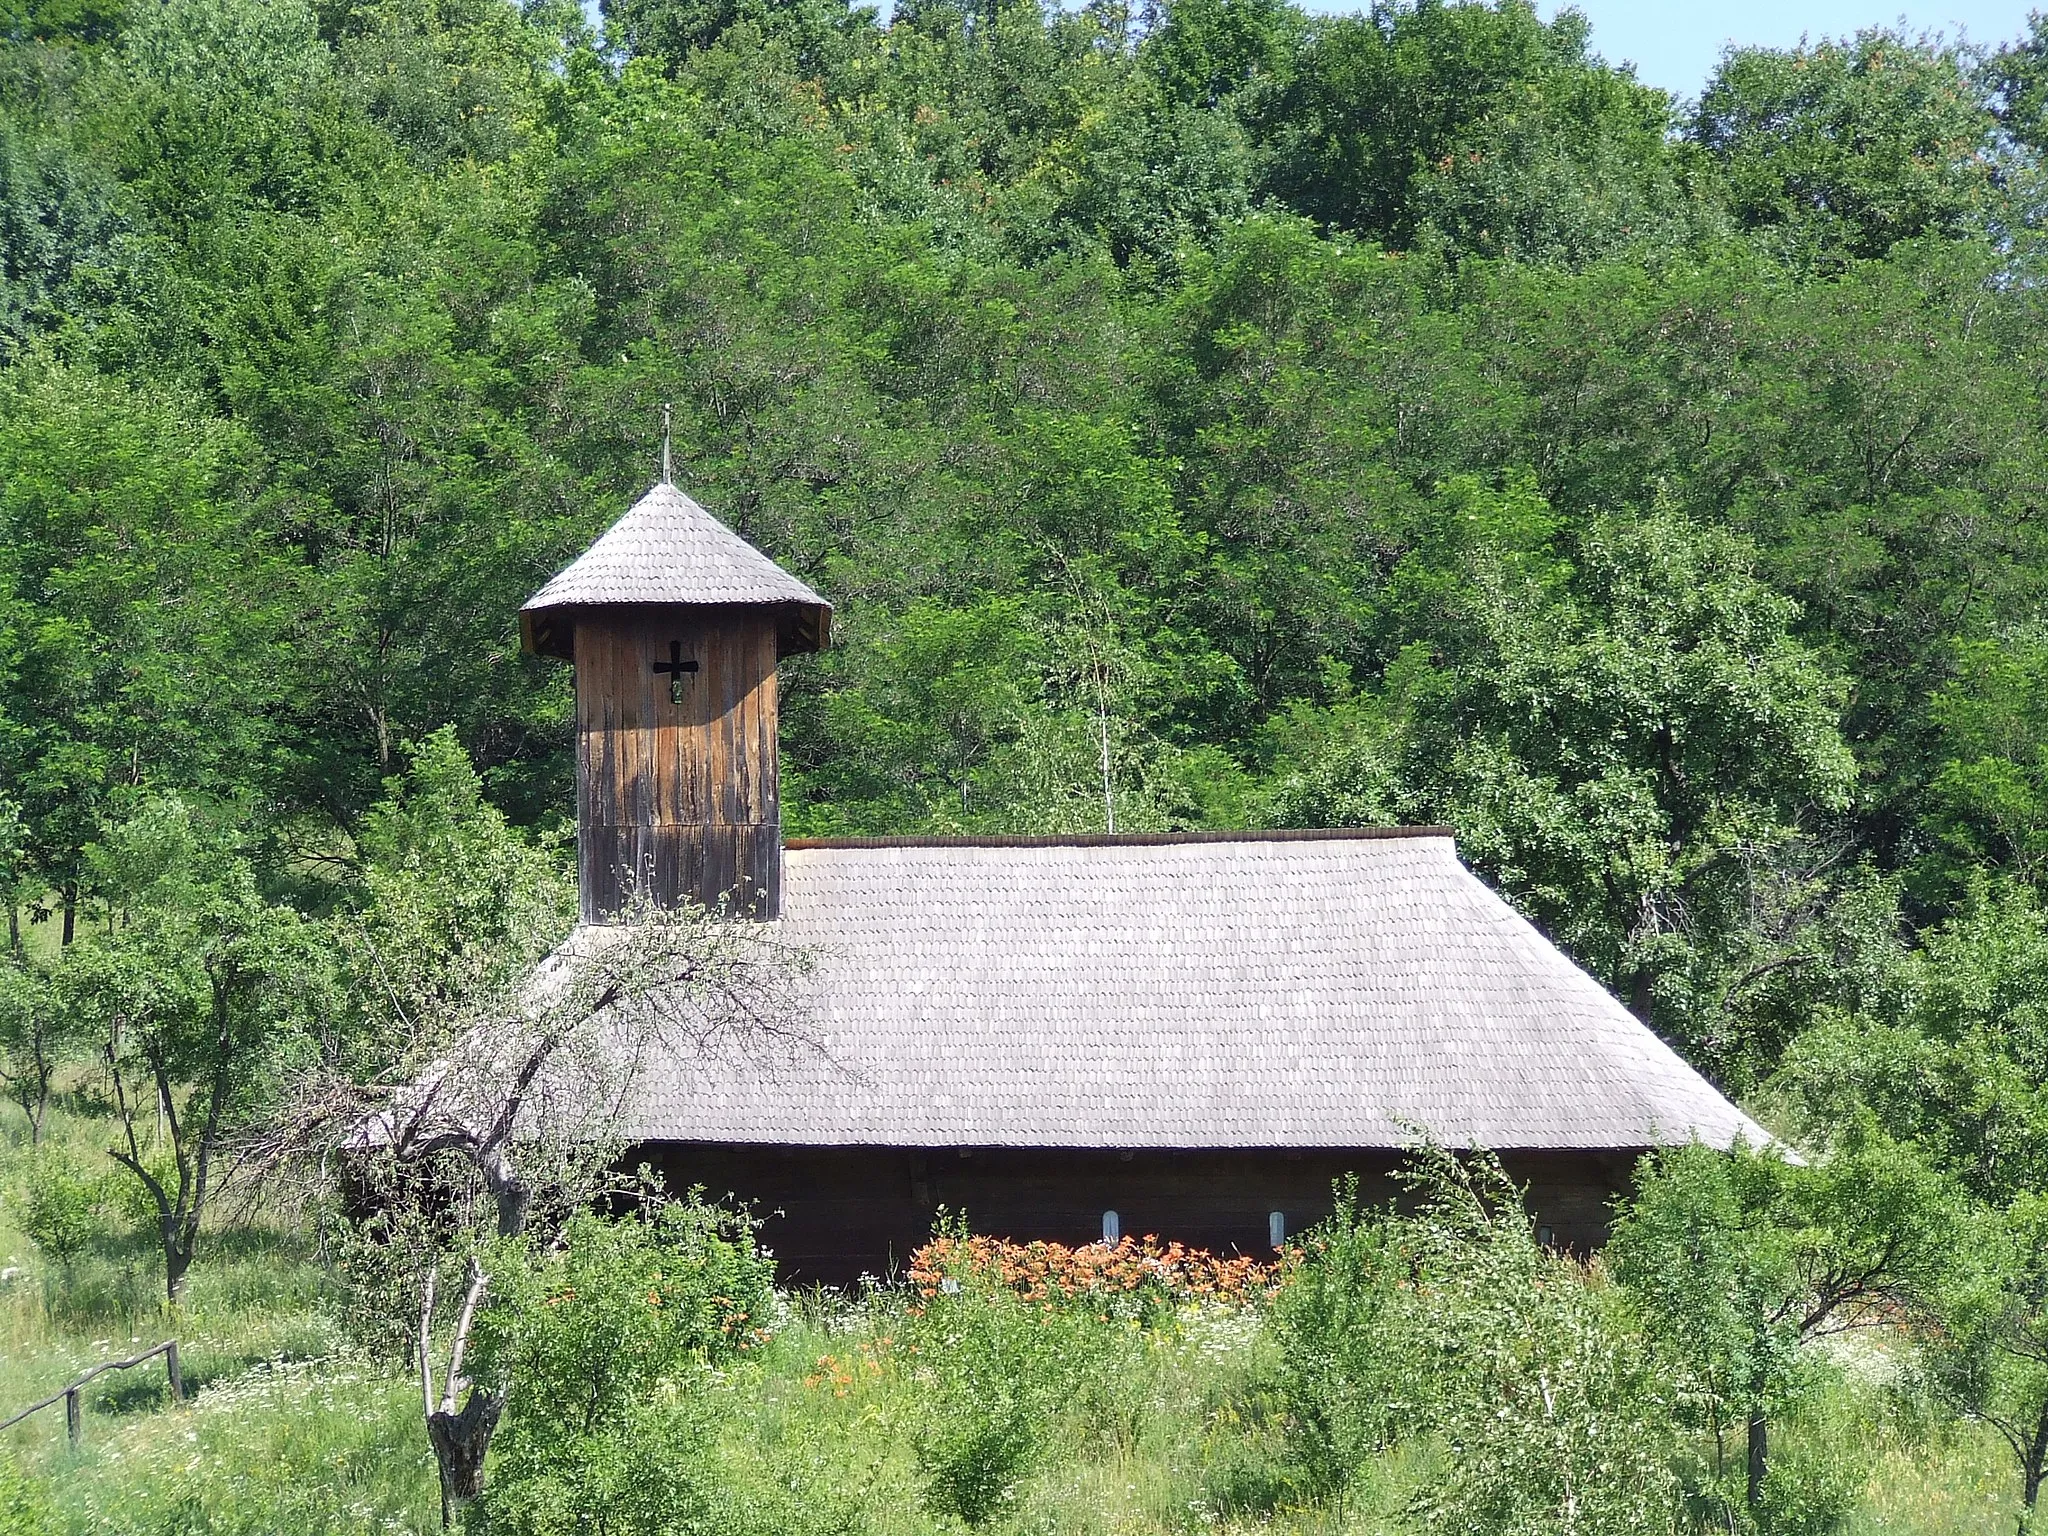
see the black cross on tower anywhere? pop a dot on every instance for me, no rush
(677, 669)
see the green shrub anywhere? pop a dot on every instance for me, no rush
(24, 1506)
(1453, 1323)
(60, 1209)
(647, 1471)
(606, 1342)
(1557, 1424)
(1344, 1377)
(982, 1400)
(1809, 1496)
(994, 1373)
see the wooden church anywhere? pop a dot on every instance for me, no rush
(1190, 1034)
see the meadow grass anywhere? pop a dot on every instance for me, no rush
(293, 1427)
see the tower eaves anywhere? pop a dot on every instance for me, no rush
(669, 551)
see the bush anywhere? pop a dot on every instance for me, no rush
(24, 1506)
(607, 1341)
(60, 1209)
(994, 1370)
(1345, 1379)
(1810, 1495)
(1454, 1323)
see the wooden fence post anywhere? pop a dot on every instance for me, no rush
(73, 1395)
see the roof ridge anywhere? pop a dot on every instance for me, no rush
(1121, 839)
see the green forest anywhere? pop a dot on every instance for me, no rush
(1205, 414)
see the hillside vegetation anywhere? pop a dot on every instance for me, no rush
(1043, 1392)
(1206, 415)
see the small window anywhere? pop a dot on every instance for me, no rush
(1276, 1229)
(1112, 1227)
(1546, 1237)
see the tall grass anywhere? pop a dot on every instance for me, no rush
(1172, 1428)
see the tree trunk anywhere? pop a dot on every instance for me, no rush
(70, 911)
(1641, 992)
(37, 1104)
(459, 1441)
(513, 1195)
(181, 1241)
(514, 1205)
(2030, 1493)
(177, 1262)
(1759, 1456)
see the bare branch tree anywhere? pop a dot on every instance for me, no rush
(502, 1114)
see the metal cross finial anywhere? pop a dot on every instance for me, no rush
(667, 475)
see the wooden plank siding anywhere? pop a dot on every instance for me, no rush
(833, 1214)
(677, 800)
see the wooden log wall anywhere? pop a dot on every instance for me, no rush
(833, 1214)
(676, 798)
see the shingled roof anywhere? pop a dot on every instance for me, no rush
(668, 550)
(1301, 990)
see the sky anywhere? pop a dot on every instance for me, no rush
(1676, 45)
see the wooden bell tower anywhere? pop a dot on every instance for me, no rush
(675, 624)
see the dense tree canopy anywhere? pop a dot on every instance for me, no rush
(1396, 416)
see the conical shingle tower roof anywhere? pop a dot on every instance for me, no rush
(669, 551)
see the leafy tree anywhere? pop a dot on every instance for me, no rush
(2017, 84)
(448, 82)
(823, 34)
(917, 734)
(1205, 51)
(221, 108)
(1619, 740)
(1989, 1352)
(453, 903)
(35, 1038)
(141, 635)
(1739, 1261)
(1989, 794)
(64, 249)
(1944, 1046)
(206, 995)
(1836, 151)
(1481, 126)
(43, 21)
